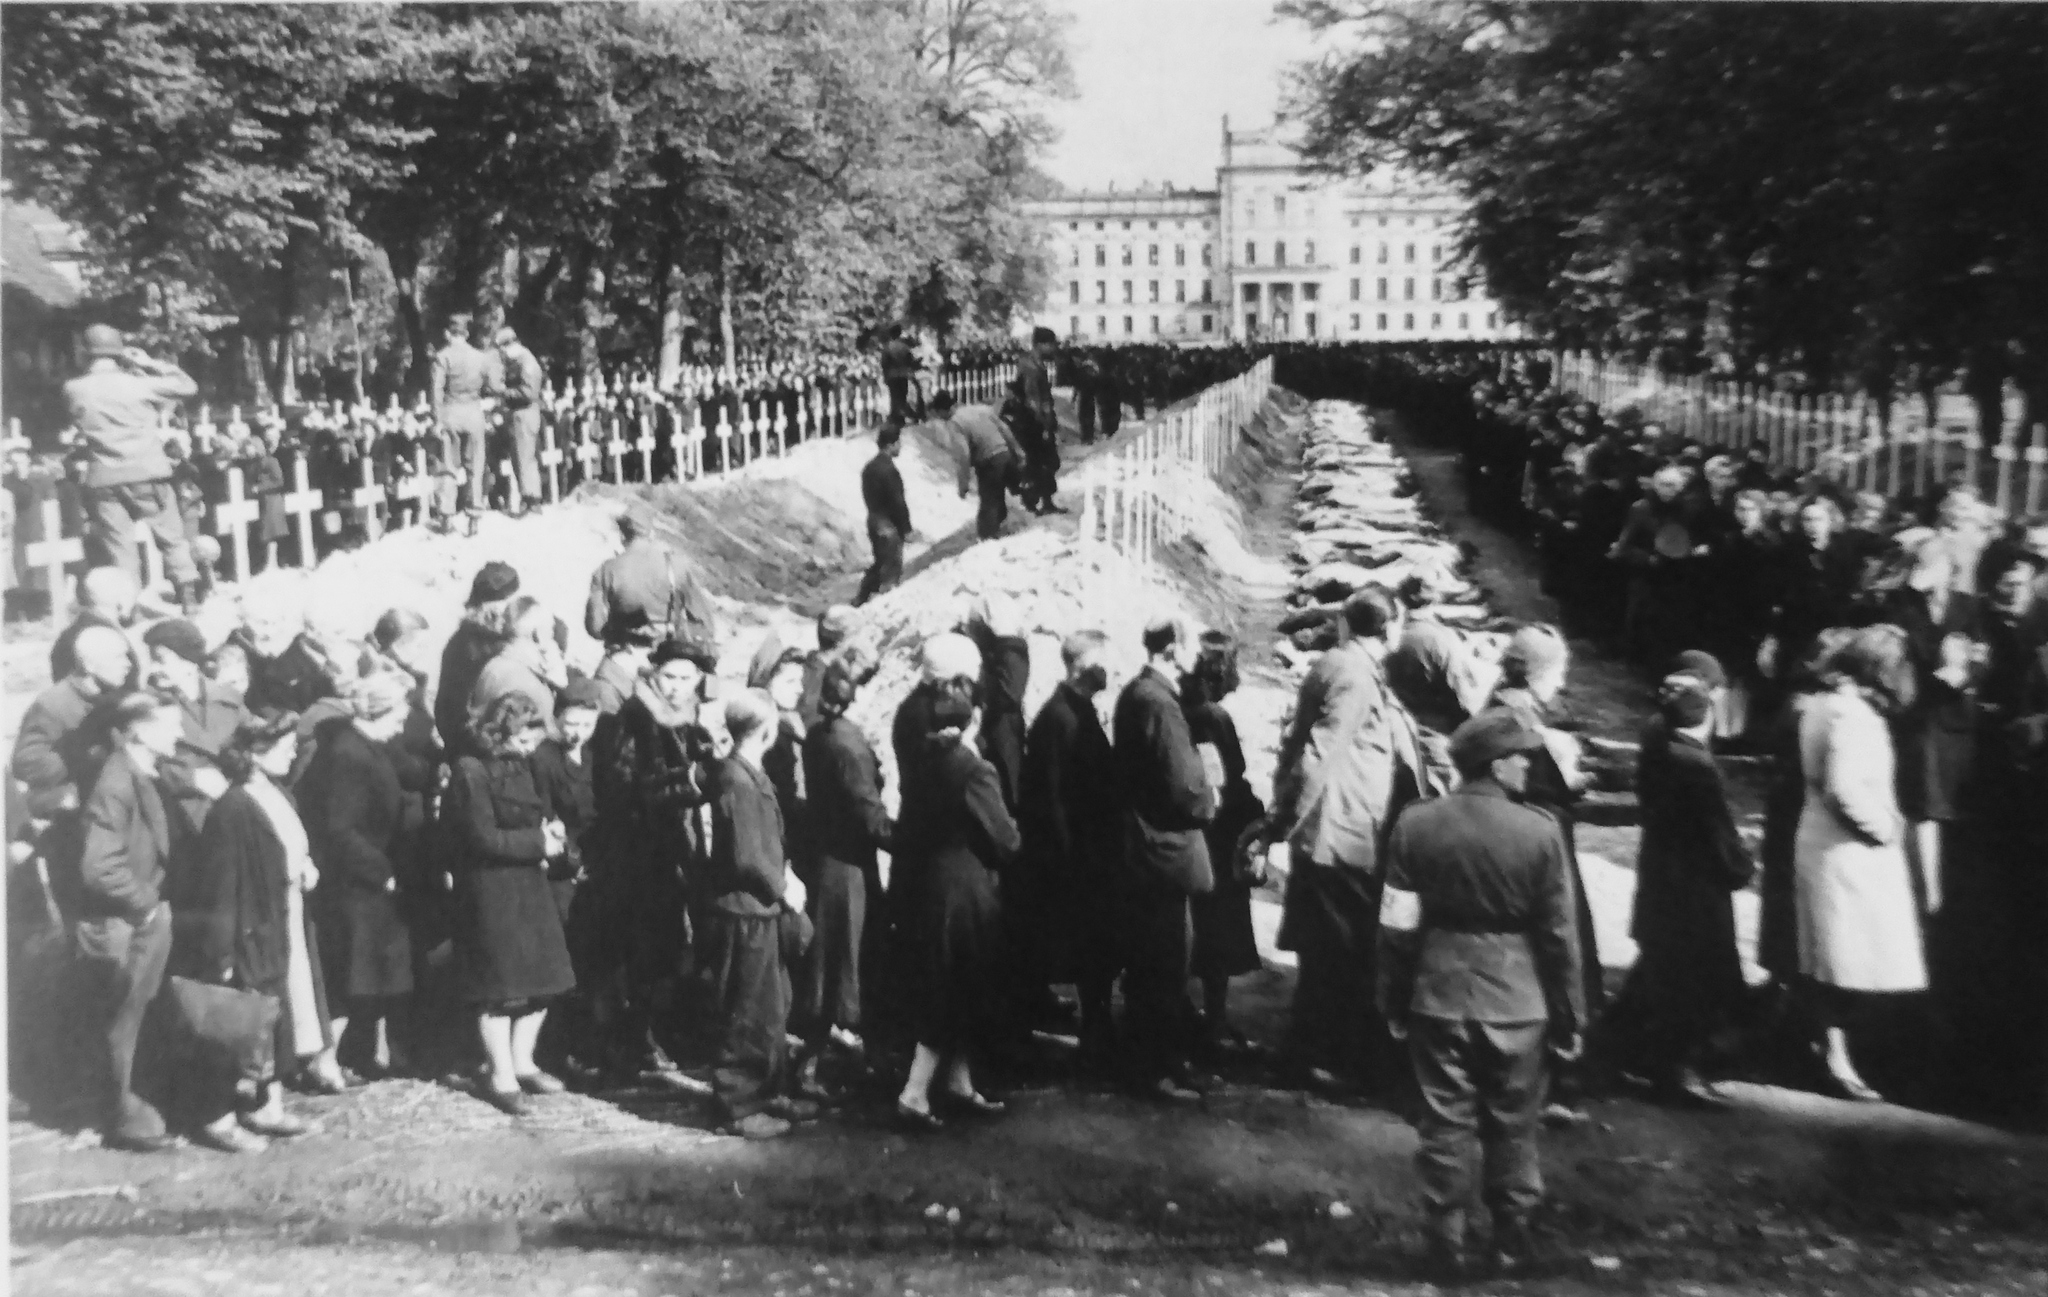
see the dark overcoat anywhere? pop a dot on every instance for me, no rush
(1170, 803)
(955, 915)
(1070, 813)
(509, 945)
(1690, 862)
(355, 810)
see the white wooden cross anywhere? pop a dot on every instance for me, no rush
(615, 450)
(231, 518)
(771, 419)
(53, 553)
(304, 501)
(645, 445)
(724, 440)
(550, 460)
(368, 496)
(587, 450)
(419, 488)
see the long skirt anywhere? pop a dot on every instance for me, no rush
(366, 946)
(956, 938)
(509, 948)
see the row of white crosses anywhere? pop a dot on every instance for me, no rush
(1129, 505)
(1893, 452)
(593, 424)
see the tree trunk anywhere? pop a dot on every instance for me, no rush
(669, 279)
(533, 290)
(405, 274)
(725, 332)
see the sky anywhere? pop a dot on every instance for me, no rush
(1156, 78)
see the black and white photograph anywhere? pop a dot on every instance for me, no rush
(1025, 648)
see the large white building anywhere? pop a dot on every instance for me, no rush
(1274, 251)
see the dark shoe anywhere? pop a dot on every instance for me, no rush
(139, 1143)
(1167, 1090)
(1514, 1248)
(974, 1105)
(538, 1082)
(918, 1118)
(510, 1102)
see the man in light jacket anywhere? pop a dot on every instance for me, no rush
(1349, 761)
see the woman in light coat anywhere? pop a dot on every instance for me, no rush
(1858, 925)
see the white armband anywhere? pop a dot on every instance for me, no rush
(1400, 911)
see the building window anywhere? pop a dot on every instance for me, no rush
(1102, 290)
(1408, 323)
(1205, 253)
(1490, 326)
(1354, 254)
(1383, 324)
(1309, 323)
(1101, 325)
(1436, 290)
(1354, 324)
(1180, 254)
(1408, 254)
(1151, 225)
(1310, 292)
(1127, 225)
(1074, 326)
(1354, 225)
(1251, 293)
(1152, 255)
(1436, 321)
(1354, 290)
(1130, 292)
(1127, 325)
(1383, 223)
(1383, 253)
(1074, 292)
(1101, 255)
(1251, 325)
(1073, 225)
(1155, 324)
(1152, 290)
(1077, 254)
(1127, 254)
(1279, 254)
(1182, 324)
(1098, 224)
(1436, 254)
(1207, 322)
(1251, 253)
(1407, 290)
(1383, 290)
(1205, 290)
(1308, 253)
(1464, 322)
(1279, 205)
(1180, 290)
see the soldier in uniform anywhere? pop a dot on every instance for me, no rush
(1479, 973)
(114, 406)
(462, 378)
(518, 383)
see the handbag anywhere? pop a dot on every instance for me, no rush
(219, 1027)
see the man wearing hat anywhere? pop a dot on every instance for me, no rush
(517, 381)
(191, 778)
(1479, 973)
(462, 378)
(114, 406)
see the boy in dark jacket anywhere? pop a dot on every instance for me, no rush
(753, 930)
(561, 774)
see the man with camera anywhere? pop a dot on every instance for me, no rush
(126, 478)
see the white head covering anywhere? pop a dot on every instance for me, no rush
(951, 656)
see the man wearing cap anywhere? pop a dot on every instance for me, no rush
(114, 406)
(1349, 761)
(191, 778)
(1432, 672)
(642, 586)
(834, 624)
(517, 381)
(1034, 390)
(461, 379)
(987, 455)
(1479, 974)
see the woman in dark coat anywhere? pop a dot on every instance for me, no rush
(955, 916)
(1005, 675)
(1746, 558)
(1690, 862)
(1225, 946)
(1819, 571)
(354, 806)
(849, 824)
(510, 956)
(239, 917)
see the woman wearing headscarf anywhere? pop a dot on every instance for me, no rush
(1859, 930)
(1224, 945)
(849, 825)
(1690, 862)
(510, 956)
(354, 803)
(967, 837)
(1663, 545)
(528, 661)
(239, 904)
(1819, 572)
